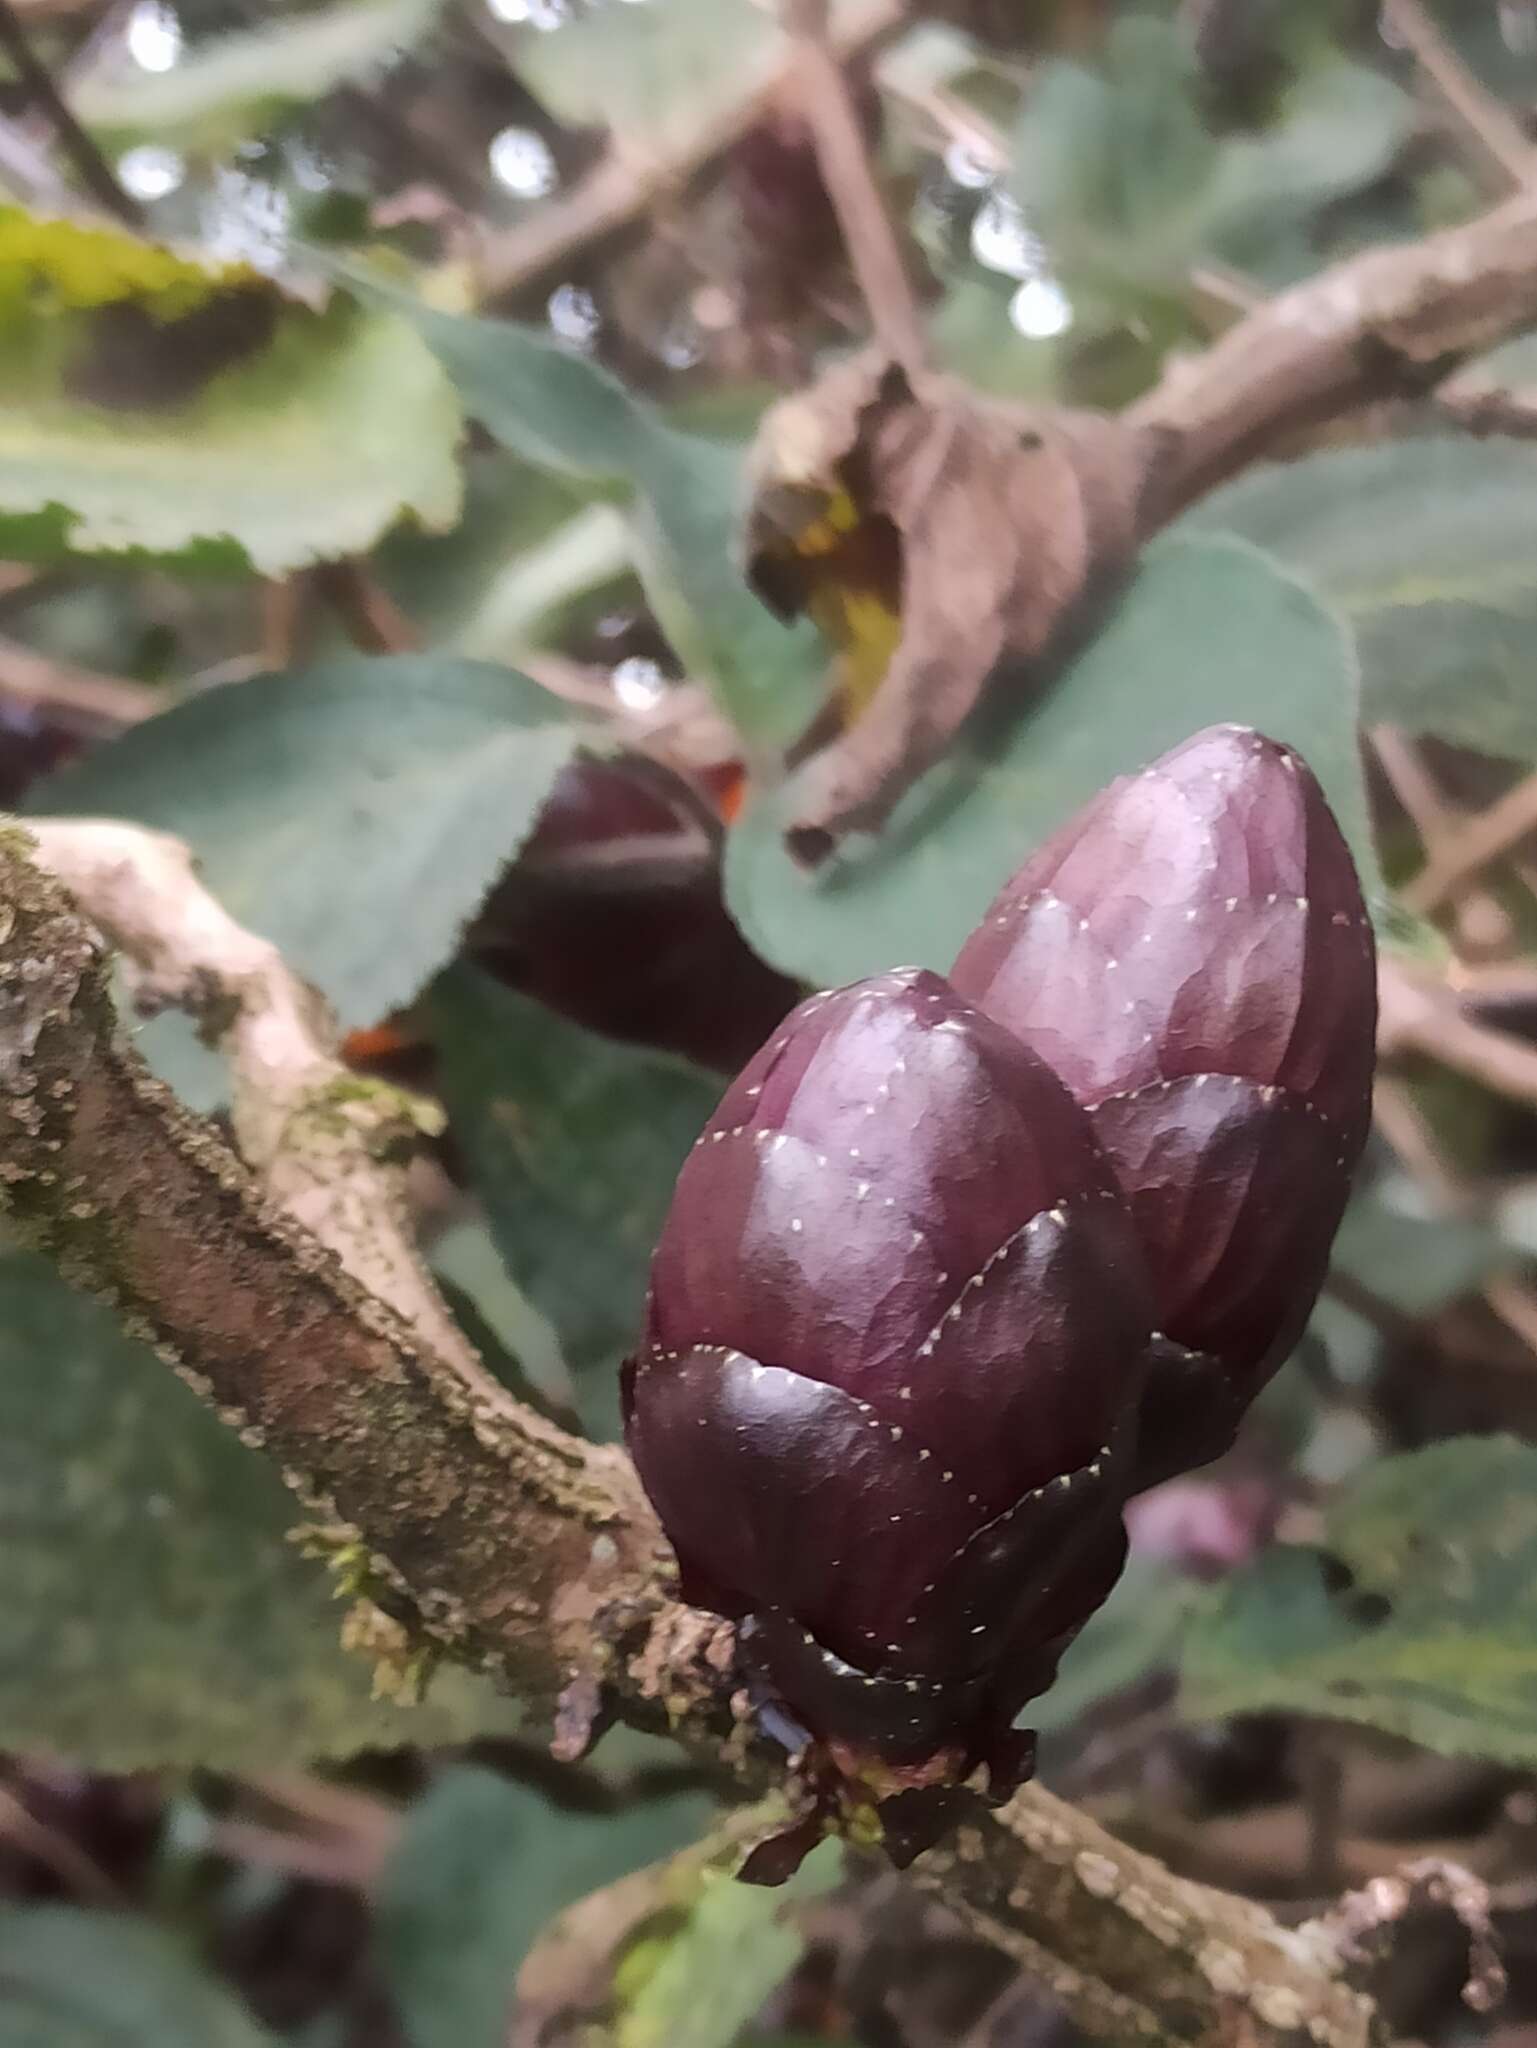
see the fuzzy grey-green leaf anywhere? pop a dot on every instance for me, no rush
(1415, 1614)
(155, 1610)
(355, 813)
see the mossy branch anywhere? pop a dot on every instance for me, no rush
(485, 1528)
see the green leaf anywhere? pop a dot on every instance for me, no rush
(525, 547)
(651, 71)
(1496, 41)
(155, 1612)
(1340, 130)
(1115, 166)
(1418, 1263)
(1429, 548)
(706, 1979)
(152, 404)
(657, 74)
(1206, 631)
(481, 1866)
(356, 812)
(573, 1143)
(563, 413)
(1138, 1629)
(1417, 1614)
(222, 92)
(1120, 171)
(70, 1978)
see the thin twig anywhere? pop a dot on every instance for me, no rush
(282, 606)
(321, 1139)
(1398, 1118)
(55, 1850)
(1482, 920)
(1483, 839)
(1419, 1014)
(27, 171)
(626, 184)
(1323, 1785)
(333, 1860)
(844, 161)
(373, 621)
(47, 684)
(329, 1808)
(92, 168)
(1495, 137)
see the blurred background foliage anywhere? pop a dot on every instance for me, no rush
(376, 381)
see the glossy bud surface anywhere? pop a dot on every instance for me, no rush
(1192, 955)
(894, 1341)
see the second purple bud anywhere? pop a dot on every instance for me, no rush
(1192, 955)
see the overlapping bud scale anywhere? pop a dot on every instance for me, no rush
(1192, 955)
(956, 1267)
(896, 1318)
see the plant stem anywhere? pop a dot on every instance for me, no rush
(91, 167)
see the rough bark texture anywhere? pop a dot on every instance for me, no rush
(493, 1533)
(1389, 323)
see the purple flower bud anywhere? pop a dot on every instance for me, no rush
(893, 1348)
(1192, 955)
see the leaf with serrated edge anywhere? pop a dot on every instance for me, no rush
(1430, 1631)
(158, 405)
(355, 813)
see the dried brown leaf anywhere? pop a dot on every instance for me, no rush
(939, 540)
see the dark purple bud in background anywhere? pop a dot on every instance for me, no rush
(1192, 955)
(638, 949)
(894, 1346)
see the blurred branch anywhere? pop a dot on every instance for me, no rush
(1496, 139)
(1483, 923)
(530, 1554)
(1398, 1118)
(373, 622)
(1417, 1013)
(27, 171)
(90, 166)
(1483, 839)
(1389, 323)
(48, 685)
(328, 1147)
(1478, 405)
(843, 158)
(626, 183)
(56, 1851)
